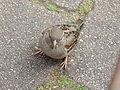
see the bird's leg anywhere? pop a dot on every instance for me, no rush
(64, 63)
(39, 51)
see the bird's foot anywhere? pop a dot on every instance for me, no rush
(64, 63)
(38, 51)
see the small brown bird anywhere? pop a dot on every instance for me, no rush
(59, 40)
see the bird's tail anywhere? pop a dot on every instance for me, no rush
(79, 24)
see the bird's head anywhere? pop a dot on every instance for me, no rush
(55, 36)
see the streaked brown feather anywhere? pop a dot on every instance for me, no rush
(70, 33)
(71, 44)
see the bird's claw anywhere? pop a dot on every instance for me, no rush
(39, 51)
(64, 63)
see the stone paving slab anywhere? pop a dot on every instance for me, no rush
(92, 63)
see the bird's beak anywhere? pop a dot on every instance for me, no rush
(54, 43)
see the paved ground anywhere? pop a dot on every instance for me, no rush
(95, 56)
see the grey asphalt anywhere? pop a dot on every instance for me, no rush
(92, 62)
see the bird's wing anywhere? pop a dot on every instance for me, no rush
(71, 36)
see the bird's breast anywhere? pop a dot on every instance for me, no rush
(57, 53)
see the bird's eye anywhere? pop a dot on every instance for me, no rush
(46, 34)
(58, 40)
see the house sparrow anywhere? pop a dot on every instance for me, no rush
(59, 40)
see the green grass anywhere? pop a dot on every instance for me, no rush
(83, 8)
(86, 6)
(62, 82)
(72, 15)
(52, 7)
(49, 5)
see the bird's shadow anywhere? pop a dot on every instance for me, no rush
(42, 62)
